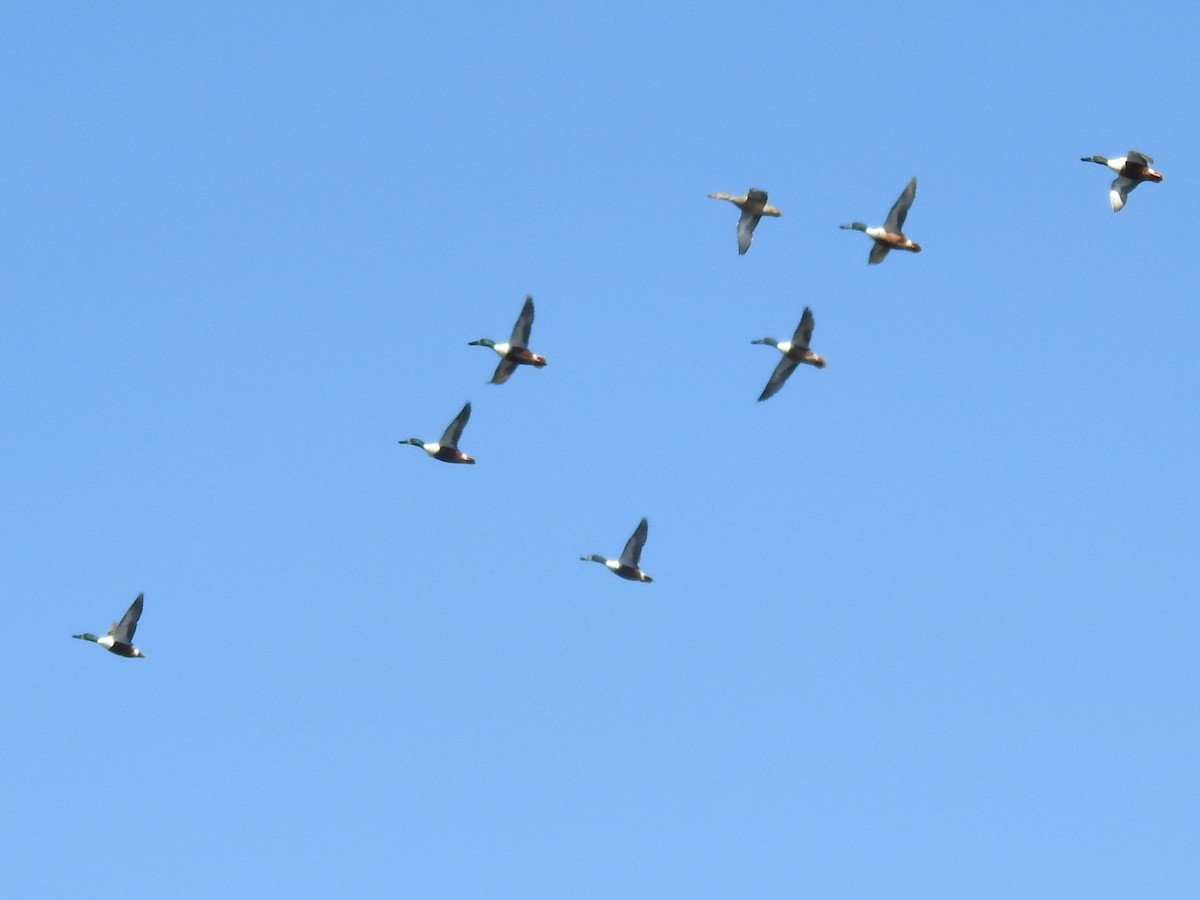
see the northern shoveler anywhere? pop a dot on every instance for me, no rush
(515, 351)
(627, 565)
(120, 634)
(447, 448)
(754, 206)
(794, 352)
(889, 236)
(1132, 169)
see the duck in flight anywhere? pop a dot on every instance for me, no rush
(120, 635)
(889, 236)
(515, 351)
(627, 565)
(754, 206)
(446, 449)
(1132, 169)
(794, 352)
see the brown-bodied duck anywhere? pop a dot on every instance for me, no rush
(446, 449)
(119, 639)
(627, 565)
(1132, 169)
(889, 236)
(515, 351)
(794, 352)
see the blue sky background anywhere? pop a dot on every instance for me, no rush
(923, 625)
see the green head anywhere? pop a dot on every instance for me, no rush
(594, 558)
(857, 226)
(416, 442)
(87, 636)
(482, 342)
(770, 342)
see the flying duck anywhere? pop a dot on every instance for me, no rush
(447, 448)
(1132, 169)
(889, 236)
(794, 352)
(119, 636)
(754, 206)
(515, 351)
(627, 565)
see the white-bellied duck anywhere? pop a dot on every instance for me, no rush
(119, 637)
(447, 448)
(515, 351)
(627, 565)
(794, 352)
(889, 236)
(1132, 169)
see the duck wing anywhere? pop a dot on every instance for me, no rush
(1140, 158)
(899, 210)
(633, 547)
(878, 252)
(505, 368)
(745, 227)
(782, 372)
(123, 631)
(1121, 187)
(803, 334)
(520, 332)
(454, 432)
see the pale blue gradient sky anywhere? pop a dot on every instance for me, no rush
(923, 625)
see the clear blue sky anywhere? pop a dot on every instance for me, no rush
(924, 625)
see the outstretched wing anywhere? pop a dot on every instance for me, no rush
(899, 211)
(520, 333)
(1121, 187)
(782, 372)
(878, 252)
(454, 432)
(503, 370)
(745, 229)
(803, 334)
(123, 631)
(1140, 158)
(633, 547)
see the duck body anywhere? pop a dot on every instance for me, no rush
(518, 356)
(515, 351)
(120, 647)
(119, 638)
(446, 450)
(627, 565)
(754, 206)
(444, 454)
(1132, 169)
(629, 573)
(795, 352)
(889, 236)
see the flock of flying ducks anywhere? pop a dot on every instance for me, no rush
(1132, 169)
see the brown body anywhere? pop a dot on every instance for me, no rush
(523, 356)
